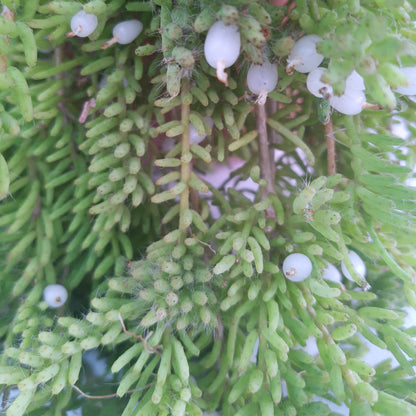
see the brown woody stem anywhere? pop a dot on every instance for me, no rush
(265, 159)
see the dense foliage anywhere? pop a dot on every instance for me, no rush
(109, 151)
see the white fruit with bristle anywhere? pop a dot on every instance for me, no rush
(297, 267)
(194, 136)
(410, 74)
(262, 79)
(349, 103)
(331, 273)
(316, 87)
(55, 295)
(303, 57)
(222, 47)
(82, 24)
(357, 263)
(125, 33)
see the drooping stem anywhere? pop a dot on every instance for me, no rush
(330, 147)
(385, 255)
(186, 158)
(346, 372)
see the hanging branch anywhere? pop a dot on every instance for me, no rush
(186, 157)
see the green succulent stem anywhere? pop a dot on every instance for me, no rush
(346, 372)
(186, 157)
(395, 268)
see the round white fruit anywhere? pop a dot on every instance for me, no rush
(331, 273)
(55, 295)
(316, 87)
(262, 78)
(303, 57)
(222, 44)
(83, 24)
(127, 31)
(349, 103)
(297, 267)
(410, 89)
(358, 264)
(354, 82)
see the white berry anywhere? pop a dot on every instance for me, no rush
(55, 295)
(262, 79)
(303, 57)
(354, 81)
(127, 31)
(222, 47)
(124, 33)
(83, 24)
(410, 74)
(331, 273)
(297, 267)
(316, 87)
(358, 264)
(349, 103)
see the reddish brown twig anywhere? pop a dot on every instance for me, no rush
(147, 347)
(85, 110)
(108, 396)
(204, 243)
